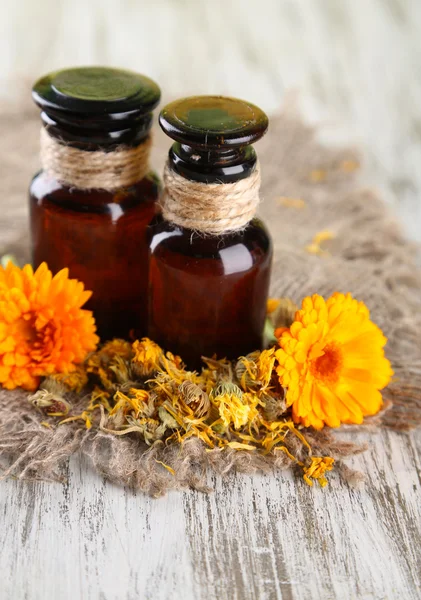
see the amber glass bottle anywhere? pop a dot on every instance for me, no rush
(99, 232)
(208, 292)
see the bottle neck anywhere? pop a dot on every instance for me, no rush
(226, 165)
(86, 133)
(94, 169)
(209, 208)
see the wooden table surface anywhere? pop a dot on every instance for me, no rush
(253, 538)
(261, 537)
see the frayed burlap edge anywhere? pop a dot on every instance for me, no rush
(367, 256)
(30, 450)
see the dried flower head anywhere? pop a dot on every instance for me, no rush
(196, 398)
(43, 328)
(117, 347)
(51, 398)
(147, 356)
(274, 405)
(246, 371)
(265, 365)
(74, 381)
(235, 407)
(332, 362)
(111, 363)
(254, 371)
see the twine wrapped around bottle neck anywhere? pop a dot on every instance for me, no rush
(212, 208)
(96, 169)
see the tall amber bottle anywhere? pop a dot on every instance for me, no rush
(92, 202)
(210, 258)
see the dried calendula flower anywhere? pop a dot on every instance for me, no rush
(147, 401)
(232, 405)
(265, 365)
(150, 429)
(196, 398)
(216, 370)
(254, 371)
(133, 403)
(317, 469)
(51, 398)
(74, 381)
(147, 356)
(122, 371)
(246, 371)
(117, 347)
(110, 363)
(167, 419)
(274, 405)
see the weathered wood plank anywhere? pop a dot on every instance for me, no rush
(261, 537)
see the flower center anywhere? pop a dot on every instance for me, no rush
(39, 341)
(328, 365)
(24, 330)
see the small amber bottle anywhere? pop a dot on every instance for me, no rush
(210, 258)
(91, 203)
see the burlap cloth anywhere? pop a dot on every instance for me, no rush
(368, 256)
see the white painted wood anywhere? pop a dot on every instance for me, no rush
(254, 538)
(260, 537)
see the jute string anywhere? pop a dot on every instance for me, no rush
(212, 208)
(122, 167)
(368, 257)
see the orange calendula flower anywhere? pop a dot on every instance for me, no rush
(43, 328)
(332, 362)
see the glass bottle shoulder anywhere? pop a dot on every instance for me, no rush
(45, 190)
(231, 253)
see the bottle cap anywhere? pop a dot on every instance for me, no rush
(213, 136)
(97, 105)
(212, 122)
